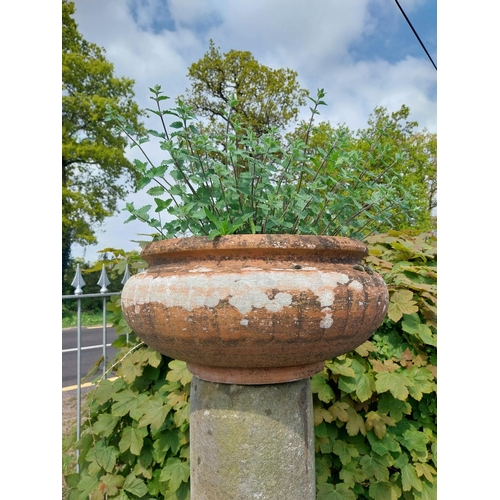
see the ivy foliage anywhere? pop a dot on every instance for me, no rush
(374, 408)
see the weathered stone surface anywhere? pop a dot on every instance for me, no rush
(252, 442)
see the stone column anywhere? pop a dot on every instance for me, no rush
(252, 441)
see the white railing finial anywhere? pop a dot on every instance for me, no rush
(126, 275)
(78, 281)
(103, 280)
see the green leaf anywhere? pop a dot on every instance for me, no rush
(156, 191)
(364, 386)
(179, 372)
(409, 478)
(383, 445)
(321, 388)
(396, 383)
(366, 348)
(124, 402)
(425, 470)
(396, 408)
(112, 483)
(429, 491)
(376, 466)
(384, 490)
(401, 303)
(169, 440)
(181, 416)
(129, 371)
(339, 411)
(345, 451)
(422, 382)
(135, 486)
(352, 474)
(412, 325)
(341, 367)
(104, 391)
(378, 422)
(153, 357)
(105, 424)
(107, 457)
(414, 440)
(132, 439)
(182, 493)
(87, 485)
(341, 491)
(155, 414)
(176, 471)
(320, 414)
(355, 423)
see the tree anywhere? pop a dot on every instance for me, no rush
(390, 143)
(95, 172)
(419, 170)
(266, 97)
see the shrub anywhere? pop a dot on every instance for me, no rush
(374, 408)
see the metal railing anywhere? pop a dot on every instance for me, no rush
(78, 283)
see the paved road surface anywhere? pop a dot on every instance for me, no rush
(92, 338)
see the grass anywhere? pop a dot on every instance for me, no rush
(89, 318)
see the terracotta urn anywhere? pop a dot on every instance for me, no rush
(255, 309)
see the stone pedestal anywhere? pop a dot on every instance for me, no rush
(252, 441)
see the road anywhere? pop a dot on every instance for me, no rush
(91, 342)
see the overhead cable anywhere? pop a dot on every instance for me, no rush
(413, 29)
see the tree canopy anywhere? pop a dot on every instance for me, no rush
(266, 97)
(390, 142)
(95, 172)
(418, 166)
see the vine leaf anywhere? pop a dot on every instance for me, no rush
(396, 383)
(414, 440)
(352, 474)
(365, 386)
(320, 387)
(179, 372)
(112, 483)
(155, 414)
(106, 456)
(425, 470)
(176, 472)
(384, 490)
(338, 411)
(375, 466)
(132, 439)
(384, 445)
(345, 451)
(320, 414)
(355, 424)
(135, 486)
(412, 325)
(394, 407)
(341, 491)
(105, 424)
(401, 303)
(409, 478)
(378, 423)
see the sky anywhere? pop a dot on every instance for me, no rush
(362, 53)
